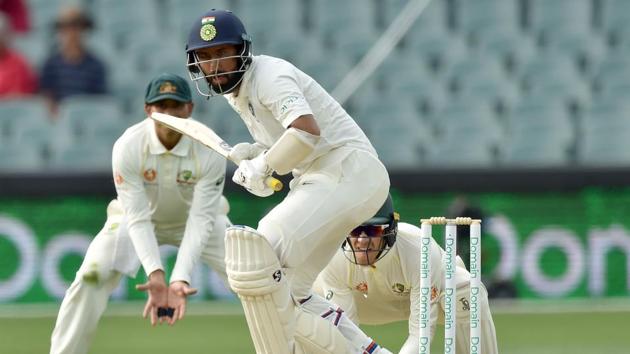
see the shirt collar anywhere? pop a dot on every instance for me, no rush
(156, 148)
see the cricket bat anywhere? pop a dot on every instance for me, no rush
(206, 136)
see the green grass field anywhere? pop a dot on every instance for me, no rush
(221, 328)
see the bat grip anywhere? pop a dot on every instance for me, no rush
(273, 183)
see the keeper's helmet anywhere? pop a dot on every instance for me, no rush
(372, 240)
(212, 29)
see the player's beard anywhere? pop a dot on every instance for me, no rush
(233, 79)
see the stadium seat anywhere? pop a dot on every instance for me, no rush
(606, 135)
(589, 49)
(84, 114)
(406, 79)
(511, 47)
(365, 95)
(540, 114)
(394, 125)
(496, 90)
(42, 14)
(81, 158)
(400, 67)
(398, 153)
(471, 120)
(478, 17)
(297, 48)
(616, 17)
(561, 15)
(474, 65)
(104, 48)
(552, 69)
(147, 49)
(355, 45)
(554, 76)
(21, 158)
(18, 113)
(530, 118)
(616, 65)
(35, 47)
(333, 17)
(225, 121)
(120, 18)
(615, 89)
(438, 49)
(182, 13)
(265, 20)
(460, 153)
(540, 134)
(536, 148)
(329, 72)
(433, 17)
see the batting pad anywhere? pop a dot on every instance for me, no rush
(254, 273)
(317, 336)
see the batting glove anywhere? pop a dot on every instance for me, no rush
(245, 151)
(251, 174)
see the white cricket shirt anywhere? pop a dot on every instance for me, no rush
(388, 291)
(164, 192)
(274, 93)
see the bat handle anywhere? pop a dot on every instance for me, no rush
(274, 183)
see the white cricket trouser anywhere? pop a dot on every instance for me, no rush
(338, 192)
(85, 301)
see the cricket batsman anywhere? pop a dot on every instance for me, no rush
(338, 182)
(375, 279)
(169, 192)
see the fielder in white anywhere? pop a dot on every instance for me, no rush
(169, 192)
(338, 183)
(375, 279)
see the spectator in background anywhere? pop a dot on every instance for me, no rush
(17, 12)
(16, 76)
(71, 69)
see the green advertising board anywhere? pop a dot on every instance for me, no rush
(546, 245)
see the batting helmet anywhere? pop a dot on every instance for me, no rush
(383, 225)
(212, 29)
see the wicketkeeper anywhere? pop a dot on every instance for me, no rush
(375, 278)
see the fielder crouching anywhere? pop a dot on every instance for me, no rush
(375, 279)
(169, 192)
